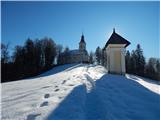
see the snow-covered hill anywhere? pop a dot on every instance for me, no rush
(81, 92)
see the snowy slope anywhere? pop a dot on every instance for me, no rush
(81, 92)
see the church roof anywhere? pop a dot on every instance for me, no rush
(116, 39)
(73, 52)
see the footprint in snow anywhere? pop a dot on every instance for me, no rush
(46, 87)
(46, 96)
(56, 90)
(63, 81)
(74, 75)
(71, 84)
(32, 116)
(60, 97)
(89, 72)
(45, 103)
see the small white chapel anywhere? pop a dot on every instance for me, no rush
(115, 51)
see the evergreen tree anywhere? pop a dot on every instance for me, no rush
(19, 60)
(140, 60)
(133, 62)
(4, 62)
(104, 58)
(38, 56)
(59, 51)
(158, 69)
(98, 54)
(50, 52)
(128, 62)
(158, 65)
(4, 53)
(91, 57)
(151, 68)
(29, 61)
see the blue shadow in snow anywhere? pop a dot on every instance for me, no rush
(114, 97)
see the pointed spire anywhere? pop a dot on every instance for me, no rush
(82, 38)
(82, 35)
(82, 32)
(82, 43)
(113, 30)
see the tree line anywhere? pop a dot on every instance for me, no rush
(136, 63)
(37, 56)
(33, 58)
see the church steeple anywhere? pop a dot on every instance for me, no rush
(82, 38)
(82, 43)
(113, 30)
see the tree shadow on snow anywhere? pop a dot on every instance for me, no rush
(113, 97)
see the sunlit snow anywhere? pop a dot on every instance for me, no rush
(81, 92)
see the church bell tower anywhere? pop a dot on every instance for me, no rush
(82, 43)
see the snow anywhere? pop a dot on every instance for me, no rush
(152, 85)
(81, 92)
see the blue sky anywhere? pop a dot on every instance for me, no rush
(138, 22)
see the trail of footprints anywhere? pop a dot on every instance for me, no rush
(56, 89)
(47, 96)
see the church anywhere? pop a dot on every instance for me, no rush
(75, 56)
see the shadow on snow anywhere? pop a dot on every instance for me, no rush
(114, 97)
